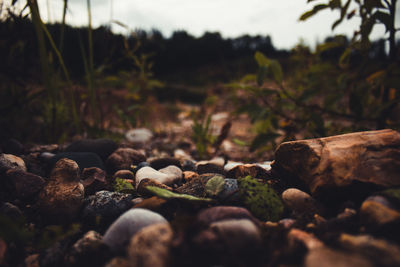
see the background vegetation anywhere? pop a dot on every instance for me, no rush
(86, 81)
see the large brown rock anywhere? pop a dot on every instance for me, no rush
(61, 199)
(359, 159)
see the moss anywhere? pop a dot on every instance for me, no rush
(123, 186)
(260, 199)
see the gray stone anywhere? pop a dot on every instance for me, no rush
(127, 225)
(102, 147)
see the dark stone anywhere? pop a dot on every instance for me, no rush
(102, 147)
(123, 159)
(93, 180)
(10, 211)
(107, 205)
(164, 162)
(188, 165)
(25, 185)
(196, 185)
(210, 168)
(12, 146)
(253, 170)
(83, 159)
(34, 164)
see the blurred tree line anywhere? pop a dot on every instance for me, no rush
(181, 51)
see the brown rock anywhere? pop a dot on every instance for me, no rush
(61, 199)
(154, 203)
(247, 169)
(8, 161)
(24, 184)
(124, 174)
(327, 257)
(93, 180)
(32, 260)
(337, 162)
(118, 262)
(377, 211)
(90, 250)
(151, 246)
(189, 175)
(300, 202)
(196, 186)
(123, 158)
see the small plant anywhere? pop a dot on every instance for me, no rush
(201, 135)
(166, 194)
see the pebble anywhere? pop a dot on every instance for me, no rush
(230, 191)
(124, 174)
(378, 211)
(189, 175)
(93, 180)
(160, 163)
(230, 242)
(12, 146)
(102, 147)
(300, 202)
(90, 250)
(123, 159)
(167, 176)
(151, 246)
(108, 205)
(188, 165)
(25, 185)
(8, 161)
(253, 170)
(61, 199)
(127, 225)
(219, 213)
(139, 136)
(83, 159)
(11, 211)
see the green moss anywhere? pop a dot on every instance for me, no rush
(260, 199)
(214, 186)
(123, 186)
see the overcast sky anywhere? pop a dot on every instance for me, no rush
(232, 18)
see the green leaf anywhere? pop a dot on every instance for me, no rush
(312, 12)
(239, 142)
(215, 185)
(261, 59)
(261, 74)
(276, 71)
(166, 194)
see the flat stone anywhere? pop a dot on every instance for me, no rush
(355, 161)
(220, 213)
(127, 225)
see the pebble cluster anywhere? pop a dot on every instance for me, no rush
(99, 203)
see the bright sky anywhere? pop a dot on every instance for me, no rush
(231, 18)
